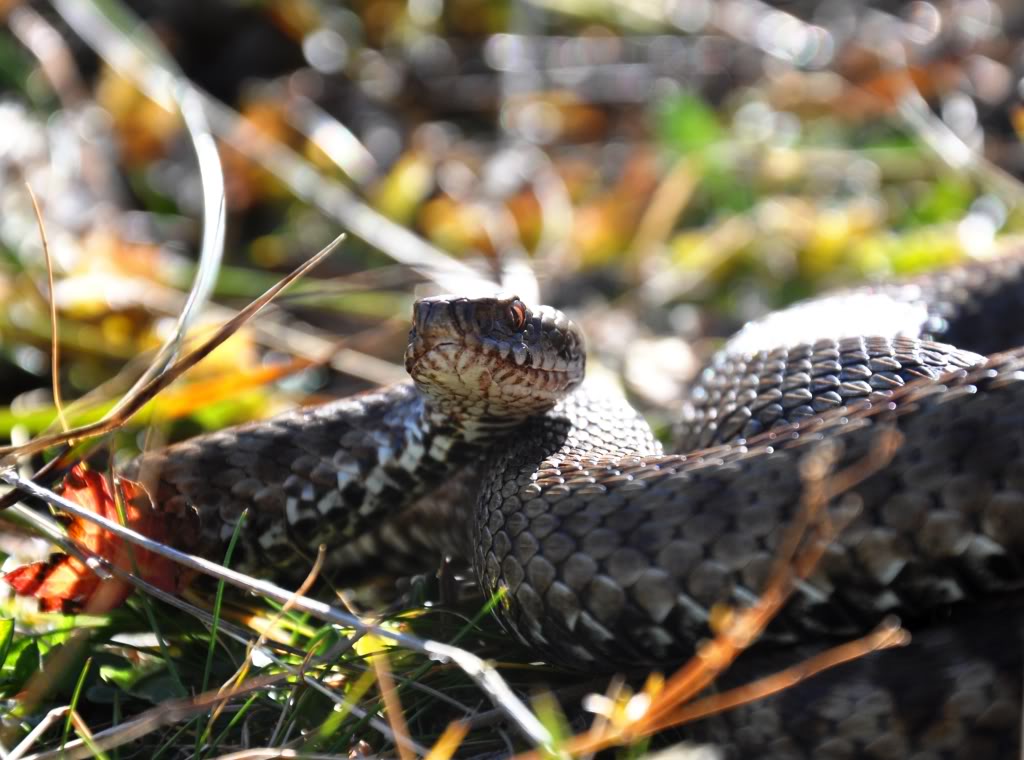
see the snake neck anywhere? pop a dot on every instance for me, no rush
(314, 475)
(476, 431)
(438, 439)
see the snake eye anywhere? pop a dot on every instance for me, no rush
(518, 311)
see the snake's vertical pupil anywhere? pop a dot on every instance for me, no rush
(518, 315)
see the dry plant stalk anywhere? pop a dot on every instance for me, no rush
(392, 704)
(43, 726)
(52, 302)
(132, 403)
(449, 741)
(164, 714)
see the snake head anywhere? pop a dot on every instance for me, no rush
(492, 360)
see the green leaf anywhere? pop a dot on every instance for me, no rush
(123, 676)
(26, 662)
(75, 695)
(158, 688)
(6, 637)
(15, 66)
(726, 191)
(946, 199)
(688, 124)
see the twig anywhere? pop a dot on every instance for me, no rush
(887, 636)
(336, 140)
(44, 41)
(449, 741)
(40, 728)
(164, 714)
(54, 337)
(270, 754)
(392, 703)
(50, 468)
(944, 142)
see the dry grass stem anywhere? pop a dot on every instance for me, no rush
(52, 303)
(449, 741)
(164, 714)
(135, 401)
(392, 704)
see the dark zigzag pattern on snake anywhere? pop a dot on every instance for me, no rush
(629, 576)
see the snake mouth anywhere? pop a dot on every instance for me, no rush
(416, 355)
(515, 359)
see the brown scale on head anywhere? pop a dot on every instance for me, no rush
(492, 360)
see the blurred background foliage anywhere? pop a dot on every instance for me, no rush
(664, 169)
(667, 169)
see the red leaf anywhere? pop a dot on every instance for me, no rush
(64, 583)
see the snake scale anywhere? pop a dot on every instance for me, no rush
(613, 552)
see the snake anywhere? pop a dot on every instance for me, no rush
(611, 550)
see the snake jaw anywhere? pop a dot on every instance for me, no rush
(492, 360)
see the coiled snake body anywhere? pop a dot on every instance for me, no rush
(612, 552)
